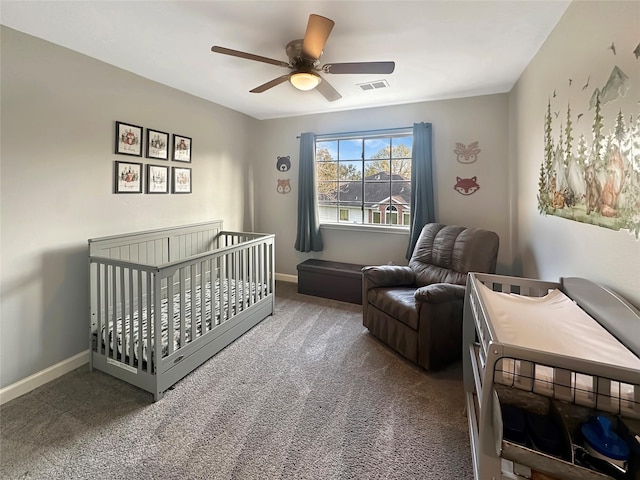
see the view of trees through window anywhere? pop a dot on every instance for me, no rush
(364, 179)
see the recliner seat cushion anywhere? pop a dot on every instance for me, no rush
(398, 303)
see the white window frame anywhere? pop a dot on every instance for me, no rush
(401, 224)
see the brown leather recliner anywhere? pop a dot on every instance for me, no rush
(417, 309)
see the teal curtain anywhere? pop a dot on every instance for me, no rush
(422, 205)
(308, 237)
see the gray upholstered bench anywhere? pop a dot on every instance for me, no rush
(335, 280)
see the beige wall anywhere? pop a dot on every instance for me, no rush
(548, 246)
(482, 119)
(58, 121)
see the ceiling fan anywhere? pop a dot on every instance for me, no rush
(304, 59)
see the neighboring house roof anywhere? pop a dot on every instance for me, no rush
(394, 200)
(376, 192)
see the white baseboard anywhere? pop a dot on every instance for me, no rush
(287, 278)
(36, 380)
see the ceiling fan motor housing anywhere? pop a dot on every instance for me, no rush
(297, 60)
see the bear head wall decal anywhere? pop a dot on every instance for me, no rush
(283, 164)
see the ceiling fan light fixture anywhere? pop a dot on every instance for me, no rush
(305, 80)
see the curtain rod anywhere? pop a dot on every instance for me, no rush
(362, 132)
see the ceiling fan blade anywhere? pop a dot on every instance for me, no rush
(271, 84)
(359, 67)
(328, 91)
(318, 30)
(248, 56)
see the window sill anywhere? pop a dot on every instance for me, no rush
(365, 228)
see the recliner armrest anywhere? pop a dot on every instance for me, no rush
(439, 292)
(388, 276)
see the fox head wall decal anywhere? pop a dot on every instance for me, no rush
(466, 186)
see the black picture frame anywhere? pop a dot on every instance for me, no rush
(128, 139)
(181, 148)
(157, 179)
(128, 177)
(157, 144)
(180, 180)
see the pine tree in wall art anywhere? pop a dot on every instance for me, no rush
(591, 167)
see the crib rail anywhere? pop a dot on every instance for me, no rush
(147, 316)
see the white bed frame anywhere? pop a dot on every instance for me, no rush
(136, 273)
(485, 362)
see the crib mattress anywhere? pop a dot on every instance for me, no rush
(206, 314)
(553, 324)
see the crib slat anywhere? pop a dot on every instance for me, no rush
(243, 279)
(106, 311)
(211, 282)
(238, 285)
(259, 274)
(204, 285)
(190, 313)
(123, 310)
(264, 264)
(252, 259)
(98, 328)
(196, 301)
(149, 321)
(129, 352)
(114, 313)
(156, 324)
(182, 307)
(205, 270)
(169, 319)
(140, 321)
(223, 288)
(216, 292)
(266, 271)
(228, 287)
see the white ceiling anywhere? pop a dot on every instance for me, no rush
(442, 49)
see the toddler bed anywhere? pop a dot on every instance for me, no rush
(573, 343)
(208, 286)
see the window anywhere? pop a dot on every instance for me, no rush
(392, 215)
(365, 178)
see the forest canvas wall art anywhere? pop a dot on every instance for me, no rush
(591, 167)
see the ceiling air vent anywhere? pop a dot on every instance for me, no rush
(365, 87)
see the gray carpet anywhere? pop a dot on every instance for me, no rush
(307, 394)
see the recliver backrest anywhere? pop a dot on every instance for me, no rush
(447, 253)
